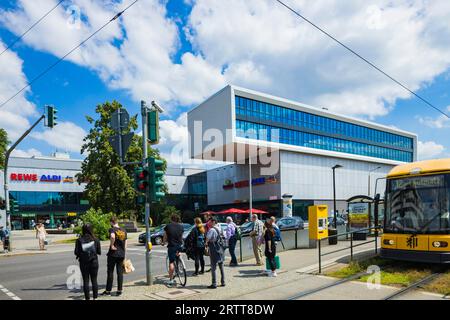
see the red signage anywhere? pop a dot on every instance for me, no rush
(24, 177)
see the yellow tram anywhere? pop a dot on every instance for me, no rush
(417, 212)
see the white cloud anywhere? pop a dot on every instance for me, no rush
(253, 43)
(134, 53)
(14, 115)
(429, 149)
(66, 136)
(301, 63)
(26, 153)
(436, 123)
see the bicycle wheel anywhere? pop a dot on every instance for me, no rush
(180, 270)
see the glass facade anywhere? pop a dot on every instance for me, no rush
(35, 201)
(278, 124)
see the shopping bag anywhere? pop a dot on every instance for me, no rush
(277, 263)
(127, 266)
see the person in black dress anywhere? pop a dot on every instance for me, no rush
(271, 248)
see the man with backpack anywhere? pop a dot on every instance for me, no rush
(116, 256)
(257, 235)
(231, 235)
(216, 247)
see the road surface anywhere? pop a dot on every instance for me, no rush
(45, 276)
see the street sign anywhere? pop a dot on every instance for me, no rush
(120, 119)
(125, 139)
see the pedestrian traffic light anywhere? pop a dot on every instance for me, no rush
(13, 206)
(141, 179)
(153, 127)
(51, 116)
(156, 179)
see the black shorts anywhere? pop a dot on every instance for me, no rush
(172, 253)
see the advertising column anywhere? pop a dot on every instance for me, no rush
(287, 205)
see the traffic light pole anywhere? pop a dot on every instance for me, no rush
(5, 174)
(148, 254)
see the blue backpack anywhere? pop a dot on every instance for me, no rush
(277, 236)
(200, 240)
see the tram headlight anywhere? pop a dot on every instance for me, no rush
(440, 244)
(436, 244)
(389, 242)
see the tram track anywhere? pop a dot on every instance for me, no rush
(398, 293)
(414, 285)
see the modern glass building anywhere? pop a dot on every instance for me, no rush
(305, 129)
(238, 124)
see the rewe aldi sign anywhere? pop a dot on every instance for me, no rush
(33, 177)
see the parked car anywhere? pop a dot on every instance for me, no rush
(339, 221)
(287, 223)
(157, 235)
(246, 228)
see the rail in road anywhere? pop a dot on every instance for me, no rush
(396, 294)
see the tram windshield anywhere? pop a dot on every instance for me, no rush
(418, 204)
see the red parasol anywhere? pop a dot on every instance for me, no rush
(209, 212)
(231, 211)
(256, 211)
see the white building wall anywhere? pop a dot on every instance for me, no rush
(310, 177)
(177, 184)
(214, 116)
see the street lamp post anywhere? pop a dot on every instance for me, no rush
(368, 186)
(250, 186)
(334, 194)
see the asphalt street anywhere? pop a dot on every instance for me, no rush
(46, 276)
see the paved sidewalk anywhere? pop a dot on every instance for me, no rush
(247, 282)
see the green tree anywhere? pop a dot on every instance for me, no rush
(3, 146)
(167, 213)
(110, 186)
(99, 221)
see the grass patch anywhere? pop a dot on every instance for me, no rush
(65, 241)
(396, 273)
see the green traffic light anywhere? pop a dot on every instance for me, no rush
(156, 179)
(51, 116)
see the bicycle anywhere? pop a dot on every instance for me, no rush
(180, 269)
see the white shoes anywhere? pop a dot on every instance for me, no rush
(272, 274)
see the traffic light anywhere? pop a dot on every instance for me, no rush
(13, 206)
(156, 179)
(141, 179)
(51, 116)
(153, 127)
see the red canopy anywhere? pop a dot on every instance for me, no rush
(256, 211)
(208, 212)
(231, 211)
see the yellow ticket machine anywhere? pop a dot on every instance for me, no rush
(318, 223)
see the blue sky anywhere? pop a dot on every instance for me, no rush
(180, 52)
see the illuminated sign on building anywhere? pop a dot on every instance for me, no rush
(245, 183)
(23, 177)
(33, 177)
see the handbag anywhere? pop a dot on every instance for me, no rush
(206, 253)
(128, 266)
(277, 263)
